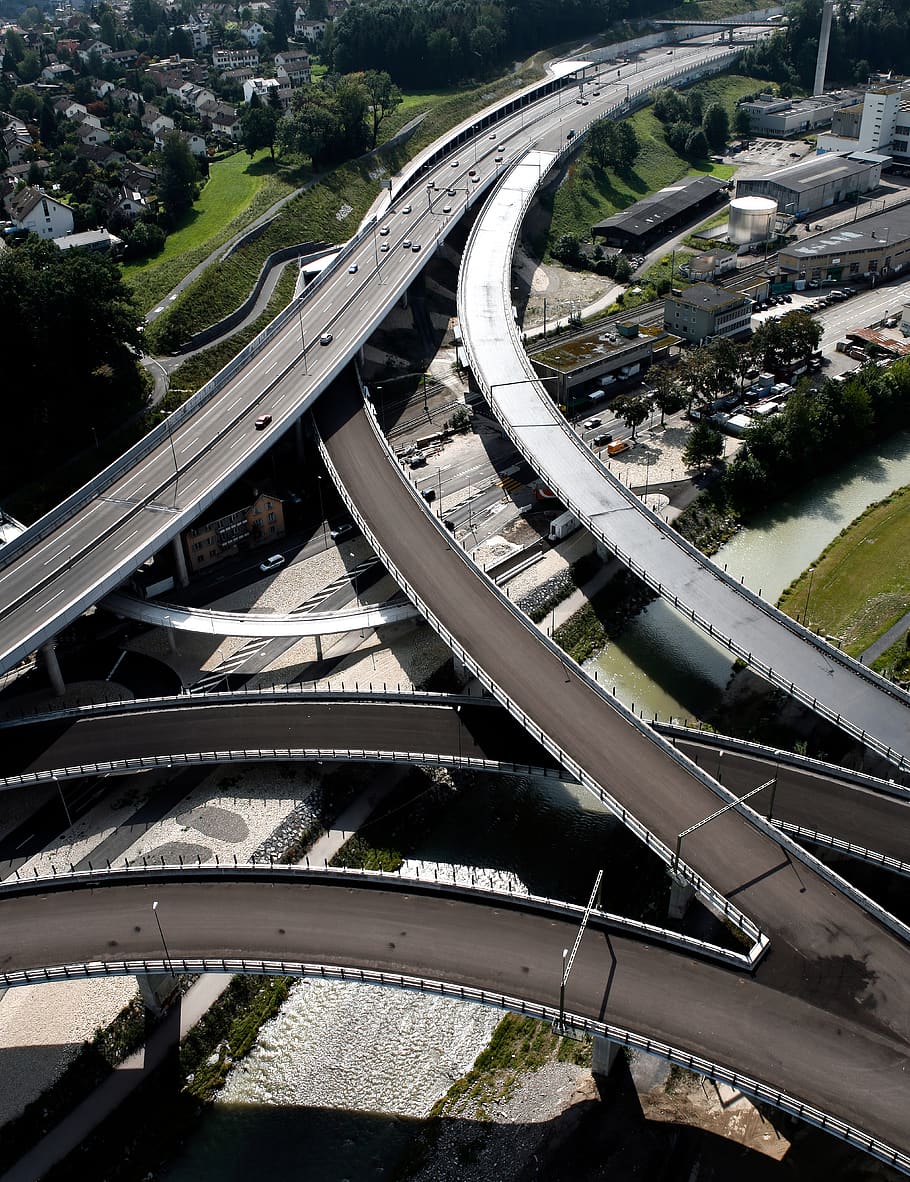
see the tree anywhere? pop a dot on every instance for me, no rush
(695, 104)
(351, 101)
(669, 107)
(259, 128)
(627, 145)
(742, 123)
(311, 126)
(788, 340)
(696, 145)
(666, 394)
(716, 126)
(632, 409)
(704, 446)
(677, 136)
(177, 177)
(384, 98)
(568, 250)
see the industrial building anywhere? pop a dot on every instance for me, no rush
(881, 125)
(662, 213)
(877, 246)
(601, 361)
(816, 183)
(704, 311)
(781, 118)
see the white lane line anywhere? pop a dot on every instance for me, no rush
(190, 485)
(271, 367)
(49, 601)
(126, 539)
(57, 555)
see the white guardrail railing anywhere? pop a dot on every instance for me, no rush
(577, 1023)
(869, 905)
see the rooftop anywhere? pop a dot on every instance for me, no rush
(891, 226)
(816, 170)
(706, 295)
(651, 212)
(596, 346)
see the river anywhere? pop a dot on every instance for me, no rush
(666, 666)
(337, 1079)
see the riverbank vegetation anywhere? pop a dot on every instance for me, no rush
(859, 586)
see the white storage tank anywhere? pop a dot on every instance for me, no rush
(751, 219)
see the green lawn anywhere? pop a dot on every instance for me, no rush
(861, 582)
(238, 190)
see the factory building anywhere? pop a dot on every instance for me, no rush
(871, 248)
(817, 182)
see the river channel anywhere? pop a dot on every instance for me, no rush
(665, 666)
(336, 1080)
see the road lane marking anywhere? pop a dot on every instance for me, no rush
(50, 601)
(126, 539)
(57, 555)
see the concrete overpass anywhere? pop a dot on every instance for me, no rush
(820, 676)
(498, 950)
(854, 814)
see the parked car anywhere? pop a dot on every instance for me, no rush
(340, 531)
(590, 424)
(603, 439)
(428, 494)
(273, 563)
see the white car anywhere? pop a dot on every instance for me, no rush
(325, 339)
(590, 424)
(273, 563)
(384, 232)
(352, 270)
(384, 247)
(406, 209)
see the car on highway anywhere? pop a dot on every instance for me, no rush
(492, 135)
(498, 159)
(590, 424)
(406, 243)
(570, 136)
(352, 270)
(450, 192)
(454, 163)
(383, 232)
(415, 247)
(472, 172)
(384, 248)
(447, 209)
(406, 209)
(475, 180)
(500, 147)
(273, 563)
(340, 531)
(262, 422)
(428, 494)
(326, 338)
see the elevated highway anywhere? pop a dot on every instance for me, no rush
(88, 545)
(498, 950)
(858, 815)
(822, 677)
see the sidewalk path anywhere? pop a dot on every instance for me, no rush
(895, 632)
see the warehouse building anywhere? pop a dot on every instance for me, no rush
(600, 363)
(873, 247)
(664, 212)
(816, 183)
(780, 117)
(704, 311)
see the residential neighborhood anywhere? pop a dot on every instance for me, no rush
(87, 105)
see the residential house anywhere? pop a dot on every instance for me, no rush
(89, 134)
(195, 142)
(15, 142)
(197, 33)
(154, 121)
(87, 48)
(260, 86)
(70, 109)
(194, 97)
(251, 525)
(128, 203)
(123, 59)
(293, 67)
(252, 32)
(305, 29)
(98, 241)
(100, 154)
(57, 72)
(224, 121)
(102, 87)
(17, 173)
(35, 211)
(232, 58)
(137, 176)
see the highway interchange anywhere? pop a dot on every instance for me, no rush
(828, 1002)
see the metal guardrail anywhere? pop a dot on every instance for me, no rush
(849, 848)
(576, 1022)
(869, 905)
(101, 876)
(712, 898)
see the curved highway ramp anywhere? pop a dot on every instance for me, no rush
(499, 950)
(820, 676)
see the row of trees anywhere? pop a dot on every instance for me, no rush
(870, 36)
(691, 128)
(613, 145)
(705, 374)
(77, 342)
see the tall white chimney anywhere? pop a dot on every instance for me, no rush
(821, 61)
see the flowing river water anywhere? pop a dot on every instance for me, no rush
(336, 1080)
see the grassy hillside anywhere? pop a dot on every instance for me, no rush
(590, 193)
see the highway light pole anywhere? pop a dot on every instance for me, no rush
(568, 959)
(808, 594)
(719, 813)
(167, 955)
(69, 819)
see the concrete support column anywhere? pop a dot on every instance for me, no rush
(462, 676)
(681, 894)
(171, 634)
(298, 437)
(180, 570)
(318, 640)
(52, 665)
(156, 990)
(604, 1055)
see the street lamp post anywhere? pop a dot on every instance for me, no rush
(808, 594)
(353, 558)
(325, 524)
(69, 819)
(167, 955)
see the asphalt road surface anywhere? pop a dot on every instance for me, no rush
(507, 948)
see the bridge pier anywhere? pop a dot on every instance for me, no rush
(156, 990)
(299, 438)
(180, 570)
(318, 640)
(681, 895)
(171, 634)
(603, 1055)
(52, 665)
